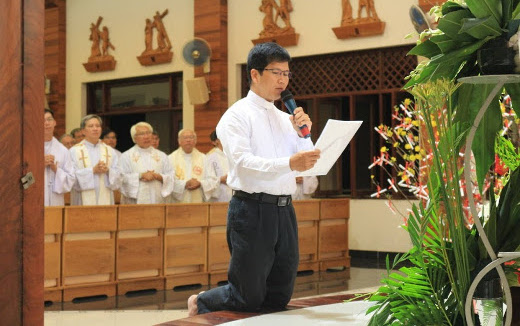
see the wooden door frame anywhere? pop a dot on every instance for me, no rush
(21, 104)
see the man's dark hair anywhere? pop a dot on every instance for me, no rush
(263, 54)
(213, 135)
(74, 131)
(48, 111)
(106, 132)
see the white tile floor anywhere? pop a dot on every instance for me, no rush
(151, 311)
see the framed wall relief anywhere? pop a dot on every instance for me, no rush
(162, 53)
(277, 23)
(100, 59)
(367, 22)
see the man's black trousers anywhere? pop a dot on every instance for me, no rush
(263, 241)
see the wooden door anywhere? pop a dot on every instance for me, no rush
(21, 151)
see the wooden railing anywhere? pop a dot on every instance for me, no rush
(111, 250)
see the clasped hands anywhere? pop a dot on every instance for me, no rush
(100, 168)
(150, 175)
(192, 184)
(49, 161)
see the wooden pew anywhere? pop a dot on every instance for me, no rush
(53, 229)
(185, 243)
(308, 216)
(218, 251)
(89, 251)
(139, 243)
(104, 250)
(333, 233)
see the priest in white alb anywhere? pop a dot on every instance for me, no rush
(194, 183)
(59, 171)
(96, 165)
(218, 162)
(147, 174)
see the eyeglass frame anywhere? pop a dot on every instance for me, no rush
(279, 72)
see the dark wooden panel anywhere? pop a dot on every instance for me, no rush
(10, 151)
(211, 25)
(21, 151)
(55, 41)
(33, 223)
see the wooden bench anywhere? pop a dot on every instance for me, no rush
(109, 250)
(333, 233)
(139, 255)
(89, 251)
(308, 216)
(53, 229)
(218, 251)
(186, 242)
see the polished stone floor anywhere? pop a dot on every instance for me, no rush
(151, 308)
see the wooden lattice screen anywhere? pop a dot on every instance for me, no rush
(349, 72)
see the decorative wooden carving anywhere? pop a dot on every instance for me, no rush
(272, 32)
(360, 26)
(100, 59)
(426, 5)
(161, 54)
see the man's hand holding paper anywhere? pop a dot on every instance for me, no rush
(304, 160)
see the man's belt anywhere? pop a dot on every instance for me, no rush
(282, 200)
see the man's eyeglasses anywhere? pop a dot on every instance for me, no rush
(279, 72)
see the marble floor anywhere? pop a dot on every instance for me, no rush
(151, 308)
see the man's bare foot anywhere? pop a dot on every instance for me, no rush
(192, 305)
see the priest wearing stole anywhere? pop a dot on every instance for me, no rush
(97, 166)
(146, 172)
(59, 171)
(194, 183)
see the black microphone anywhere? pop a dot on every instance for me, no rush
(290, 104)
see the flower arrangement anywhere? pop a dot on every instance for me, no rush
(427, 147)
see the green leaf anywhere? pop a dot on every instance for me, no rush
(450, 6)
(444, 43)
(507, 11)
(508, 215)
(460, 54)
(485, 8)
(516, 12)
(426, 49)
(470, 99)
(484, 142)
(451, 25)
(481, 27)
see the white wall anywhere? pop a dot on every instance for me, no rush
(373, 226)
(125, 20)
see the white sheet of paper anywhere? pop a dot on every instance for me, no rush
(332, 142)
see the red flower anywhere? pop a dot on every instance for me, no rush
(500, 167)
(509, 263)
